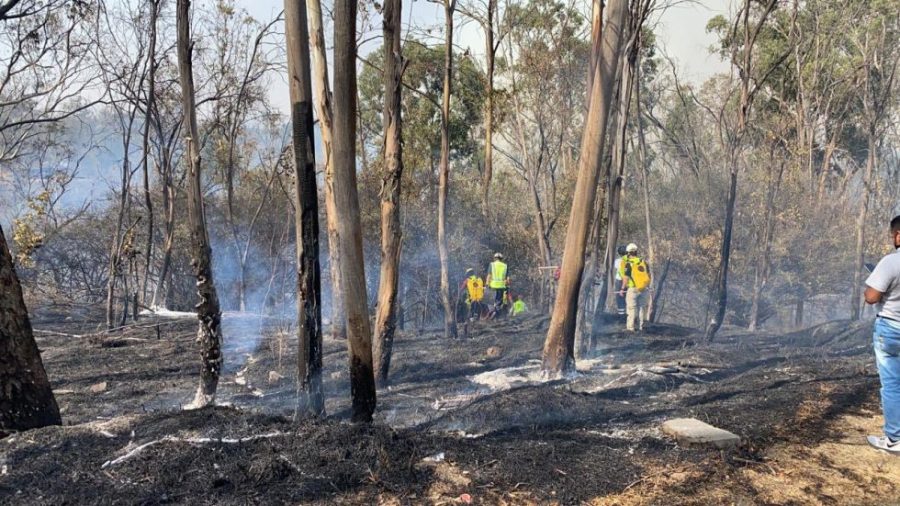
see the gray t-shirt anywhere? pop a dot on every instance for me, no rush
(886, 279)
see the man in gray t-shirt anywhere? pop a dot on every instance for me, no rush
(885, 279)
(883, 287)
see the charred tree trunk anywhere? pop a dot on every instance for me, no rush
(558, 355)
(324, 113)
(386, 318)
(209, 315)
(734, 146)
(151, 95)
(490, 53)
(444, 180)
(346, 199)
(169, 241)
(26, 399)
(798, 312)
(722, 278)
(310, 400)
(584, 334)
(657, 292)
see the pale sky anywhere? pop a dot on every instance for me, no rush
(681, 29)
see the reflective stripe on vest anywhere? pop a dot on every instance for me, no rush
(498, 274)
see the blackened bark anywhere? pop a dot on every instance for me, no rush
(346, 196)
(310, 401)
(722, 279)
(386, 317)
(209, 314)
(26, 399)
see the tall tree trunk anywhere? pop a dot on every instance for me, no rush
(310, 400)
(596, 43)
(326, 120)
(151, 96)
(444, 180)
(658, 290)
(583, 334)
(734, 147)
(859, 257)
(542, 232)
(26, 399)
(761, 272)
(386, 318)
(616, 181)
(346, 199)
(645, 176)
(558, 356)
(489, 54)
(169, 239)
(209, 315)
(721, 286)
(115, 253)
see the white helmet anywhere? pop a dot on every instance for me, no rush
(498, 255)
(631, 248)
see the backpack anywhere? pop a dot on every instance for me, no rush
(475, 287)
(640, 274)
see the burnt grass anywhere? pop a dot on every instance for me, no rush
(565, 441)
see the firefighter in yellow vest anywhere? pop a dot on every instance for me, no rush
(635, 275)
(518, 306)
(474, 293)
(498, 280)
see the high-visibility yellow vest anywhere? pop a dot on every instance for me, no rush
(518, 307)
(498, 274)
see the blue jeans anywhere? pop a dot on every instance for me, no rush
(887, 357)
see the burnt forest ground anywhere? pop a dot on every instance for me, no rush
(465, 420)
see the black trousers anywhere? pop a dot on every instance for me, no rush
(498, 295)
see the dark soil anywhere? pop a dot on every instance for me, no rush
(569, 441)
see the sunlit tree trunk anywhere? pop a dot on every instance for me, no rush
(558, 355)
(310, 401)
(209, 333)
(346, 199)
(324, 114)
(386, 317)
(26, 398)
(444, 178)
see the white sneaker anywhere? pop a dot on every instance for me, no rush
(884, 443)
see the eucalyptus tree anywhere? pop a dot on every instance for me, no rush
(209, 314)
(558, 356)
